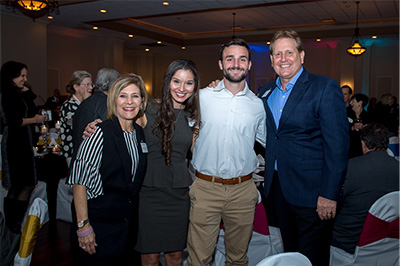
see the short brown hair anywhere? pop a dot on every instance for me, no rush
(120, 84)
(291, 34)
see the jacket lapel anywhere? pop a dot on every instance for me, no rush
(264, 98)
(297, 92)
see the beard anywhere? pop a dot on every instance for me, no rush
(233, 79)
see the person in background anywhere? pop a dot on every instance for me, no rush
(357, 120)
(18, 165)
(107, 175)
(307, 149)
(53, 103)
(169, 124)
(232, 119)
(80, 86)
(368, 178)
(347, 92)
(94, 107)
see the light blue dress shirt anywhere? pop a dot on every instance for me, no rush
(278, 97)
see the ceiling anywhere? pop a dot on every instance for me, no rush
(194, 23)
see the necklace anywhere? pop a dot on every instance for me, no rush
(176, 119)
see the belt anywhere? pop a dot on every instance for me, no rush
(231, 181)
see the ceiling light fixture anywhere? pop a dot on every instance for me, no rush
(165, 3)
(103, 11)
(374, 37)
(233, 27)
(356, 47)
(34, 9)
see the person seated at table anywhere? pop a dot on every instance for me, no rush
(358, 119)
(18, 165)
(94, 107)
(107, 175)
(368, 178)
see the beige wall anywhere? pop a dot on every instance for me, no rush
(53, 54)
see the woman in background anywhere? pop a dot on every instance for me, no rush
(80, 86)
(106, 176)
(18, 165)
(169, 124)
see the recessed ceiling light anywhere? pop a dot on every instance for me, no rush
(103, 11)
(318, 40)
(374, 37)
(268, 42)
(158, 42)
(50, 17)
(130, 36)
(95, 28)
(165, 3)
(147, 49)
(183, 47)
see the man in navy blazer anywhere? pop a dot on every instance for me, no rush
(306, 151)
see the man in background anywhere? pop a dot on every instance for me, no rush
(368, 178)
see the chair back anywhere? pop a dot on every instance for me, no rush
(379, 239)
(36, 216)
(286, 259)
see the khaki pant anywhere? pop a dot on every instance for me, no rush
(210, 202)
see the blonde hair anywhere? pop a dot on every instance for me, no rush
(120, 84)
(290, 34)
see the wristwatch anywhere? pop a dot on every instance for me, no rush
(83, 223)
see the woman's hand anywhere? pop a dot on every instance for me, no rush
(357, 126)
(40, 118)
(91, 128)
(214, 83)
(88, 242)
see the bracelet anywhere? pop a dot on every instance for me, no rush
(85, 233)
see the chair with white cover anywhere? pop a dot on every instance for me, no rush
(64, 200)
(36, 217)
(379, 239)
(260, 246)
(285, 259)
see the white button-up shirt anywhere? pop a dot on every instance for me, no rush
(230, 124)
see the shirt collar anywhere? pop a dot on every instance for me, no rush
(291, 83)
(221, 86)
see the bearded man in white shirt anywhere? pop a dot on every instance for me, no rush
(232, 119)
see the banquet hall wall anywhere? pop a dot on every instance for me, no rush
(52, 54)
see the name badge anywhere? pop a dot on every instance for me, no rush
(191, 122)
(144, 147)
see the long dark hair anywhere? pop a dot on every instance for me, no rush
(164, 126)
(9, 71)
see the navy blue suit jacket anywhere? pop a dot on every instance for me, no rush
(311, 144)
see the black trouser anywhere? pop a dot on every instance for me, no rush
(301, 228)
